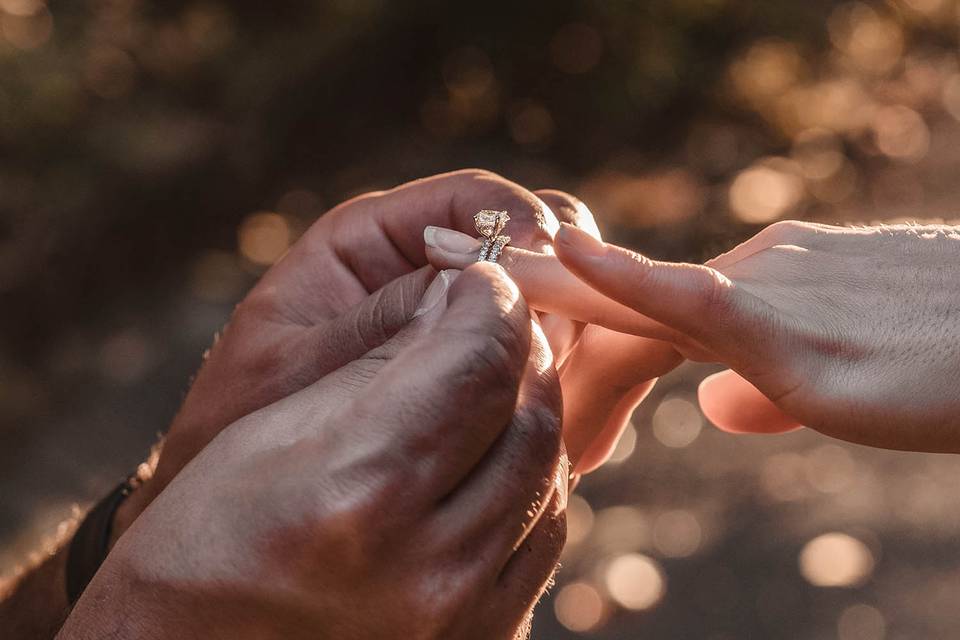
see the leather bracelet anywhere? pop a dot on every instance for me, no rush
(91, 542)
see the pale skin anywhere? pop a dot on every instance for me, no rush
(354, 280)
(854, 332)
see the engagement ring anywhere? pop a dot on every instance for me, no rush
(489, 225)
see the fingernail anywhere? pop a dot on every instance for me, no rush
(450, 240)
(580, 241)
(436, 292)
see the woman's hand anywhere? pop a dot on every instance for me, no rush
(414, 492)
(854, 332)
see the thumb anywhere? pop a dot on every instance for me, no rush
(733, 404)
(697, 301)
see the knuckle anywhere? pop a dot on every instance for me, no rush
(568, 208)
(639, 267)
(493, 360)
(541, 433)
(257, 358)
(259, 303)
(785, 231)
(715, 294)
(530, 217)
(348, 536)
(495, 297)
(473, 174)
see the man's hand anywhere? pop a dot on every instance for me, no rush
(353, 280)
(854, 332)
(415, 492)
(323, 304)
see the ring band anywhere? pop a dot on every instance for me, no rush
(489, 225)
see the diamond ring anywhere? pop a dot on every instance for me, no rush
(489, 225)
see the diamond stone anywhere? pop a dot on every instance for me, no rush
(490, 223)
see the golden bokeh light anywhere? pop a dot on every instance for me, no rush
(635, 581)
(677, 423)
(901, 133)
(264, 237)
(767, 70)
(579, 520)
(767, 191)
(836, 560)
(783, 477)
(873, 42)
(818, 153)
(470, 100)
(620, 529)
(838, 104)
(661, 198)
(677, 534)
(579, 607)
(468, 72)
(829, 469)
(838, 187)
(861, 622)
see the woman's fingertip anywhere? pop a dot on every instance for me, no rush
(575, 240)
(735, 406)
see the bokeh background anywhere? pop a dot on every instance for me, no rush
(155, 158)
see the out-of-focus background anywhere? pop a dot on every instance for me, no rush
(156, 157)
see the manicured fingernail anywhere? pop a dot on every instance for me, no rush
(436, 292)
(450, 240)
(580, 241)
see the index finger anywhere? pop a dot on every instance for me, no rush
(549, 287)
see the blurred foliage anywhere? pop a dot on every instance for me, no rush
(156, 157)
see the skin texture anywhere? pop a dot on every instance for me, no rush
(369, 504)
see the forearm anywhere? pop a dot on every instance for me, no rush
(35, 605)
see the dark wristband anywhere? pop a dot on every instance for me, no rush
(91, 542)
